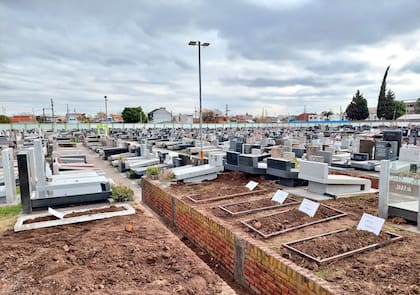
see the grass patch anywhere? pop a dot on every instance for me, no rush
(8, 211)
(323, 272)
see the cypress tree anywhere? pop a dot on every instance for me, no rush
(381, 110)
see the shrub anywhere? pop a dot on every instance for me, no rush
(122, 193)
(152, 171)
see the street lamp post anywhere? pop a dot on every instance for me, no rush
(106, 108)
(199, 44)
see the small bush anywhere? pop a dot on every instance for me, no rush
(166, 175)
(122, 193)
(152, 171)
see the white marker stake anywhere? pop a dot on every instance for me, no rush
(371, 223)
(280, 196)
(251, 185)
(308, 207)
(56, 213)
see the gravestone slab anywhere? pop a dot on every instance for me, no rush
(289, 156)
(319, 159)
(277, 152)
(366, 146)
(327, 156)
(360, 157)
(312, 151)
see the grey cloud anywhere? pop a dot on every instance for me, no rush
(267, 82)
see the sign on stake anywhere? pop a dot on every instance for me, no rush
(371, 223)
(308, 207)
(280, 196)
(251, 185)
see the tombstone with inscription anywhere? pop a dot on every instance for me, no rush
(386, 150)
(393, 135)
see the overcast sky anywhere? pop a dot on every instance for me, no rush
(275, 55)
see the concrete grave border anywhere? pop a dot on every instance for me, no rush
(19, 226)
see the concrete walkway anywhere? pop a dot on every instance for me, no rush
(112, 172)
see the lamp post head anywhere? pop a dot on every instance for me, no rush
(193, 43)
(205, 44)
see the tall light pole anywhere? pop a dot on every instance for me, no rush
(199, 44)
(106, 108)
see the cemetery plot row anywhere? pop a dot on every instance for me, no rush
(338, 244)
(288, 220)
(255, 206)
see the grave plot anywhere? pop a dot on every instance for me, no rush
(239, 208)
(55, 218)
(288, 220)
(221, 195)
(339, 244)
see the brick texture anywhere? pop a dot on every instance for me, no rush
(264, 272)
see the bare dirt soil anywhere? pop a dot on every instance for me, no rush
(75, 214)
(260, 204)
(288, 219)
(103, 257)
(339, 243)
(225, 184)
(392, 269)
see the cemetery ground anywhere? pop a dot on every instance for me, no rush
(391, 269)
(102, 257)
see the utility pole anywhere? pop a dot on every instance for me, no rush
(106, 108)
(227, 110)
(52, 113)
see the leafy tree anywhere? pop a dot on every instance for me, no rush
(389, 105)
(384, 107)
(357, 109)
(400, 109)
(327, 114)
(4, 119)
(134, 115)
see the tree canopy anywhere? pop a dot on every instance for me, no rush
(357, 109)
(384, 107)
(4, 119)
(400, 109)
(327, 114)
(134, 115)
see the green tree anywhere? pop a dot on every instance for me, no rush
(389, 105)
(4, 119)
(400, 109)
(357, 109)
(134, 115)
(327, 114)
(384, 107)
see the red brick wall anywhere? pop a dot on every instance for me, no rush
(264, 271)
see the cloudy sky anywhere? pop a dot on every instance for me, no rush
(272, 55)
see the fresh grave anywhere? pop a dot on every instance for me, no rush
(327, 247)
(292, 219)
(276, 201)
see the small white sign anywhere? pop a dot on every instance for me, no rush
(56, 213)
(308, 207)
(371, 223)
(251, 185)
(280, 196)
